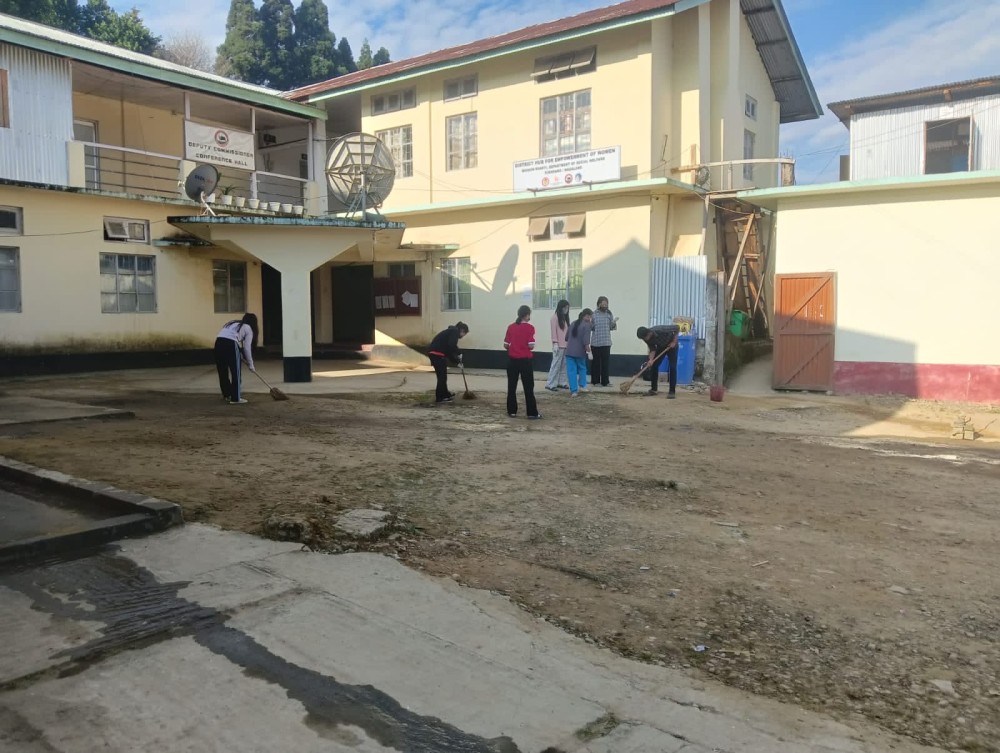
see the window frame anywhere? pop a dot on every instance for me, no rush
(456, 271)
(954, 122)
(559, 117)
(4, 99)
(750, 107)
(468, 156)
(404, 167)
(229, 264)
(406, 99)
(119, 275)
(18, 213)
(546, 296)
(461, 81)
(124, 235)
(565, 64)
(402, 270)
(16, 290)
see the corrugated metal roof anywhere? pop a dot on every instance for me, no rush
(17, 31)
(976, 87)
(768, 23)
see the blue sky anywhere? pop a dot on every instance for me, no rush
(852, 48)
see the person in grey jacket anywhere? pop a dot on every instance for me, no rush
(577, 349)
(600, 343)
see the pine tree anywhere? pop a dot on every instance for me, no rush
(345, 58)
(365, 56)
(277, 35)
(314, 45)
(381, 57)
(239, 56)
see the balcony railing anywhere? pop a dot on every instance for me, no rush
(125, 170)
(735, 175)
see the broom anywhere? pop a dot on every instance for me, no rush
(276, 394)
(469, 395)
(627, 385)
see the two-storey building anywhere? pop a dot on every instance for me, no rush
(102, 254)
(886, 280)
(563, 159)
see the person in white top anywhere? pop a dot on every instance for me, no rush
(235, 341)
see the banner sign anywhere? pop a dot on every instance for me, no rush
(219, 146)
(568, 170)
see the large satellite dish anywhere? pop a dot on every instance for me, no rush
(360, 171)
(201, 182)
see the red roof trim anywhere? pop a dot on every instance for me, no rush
(530, 33)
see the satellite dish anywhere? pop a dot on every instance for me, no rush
(201, 182)
(360, 171)
(702, 176)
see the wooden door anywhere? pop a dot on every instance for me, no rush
(353, 304)
(805, 322)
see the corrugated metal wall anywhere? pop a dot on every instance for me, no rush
(41, 116)
(678, 289)
(890, 144)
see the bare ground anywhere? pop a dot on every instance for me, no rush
(751, 541)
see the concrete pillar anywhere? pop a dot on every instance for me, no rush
(296, 321)
(705, 83)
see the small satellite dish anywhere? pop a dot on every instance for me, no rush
(201, 182)
(360, 171)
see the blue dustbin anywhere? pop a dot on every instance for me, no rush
(686, 346)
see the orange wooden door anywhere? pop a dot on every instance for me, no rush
(805, 321)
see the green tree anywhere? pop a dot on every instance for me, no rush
(277, 34)
(239, 56)
(61, 14)
(345, 58)
(314, 45)
(99, 21)
(381, 57)
(365, 56)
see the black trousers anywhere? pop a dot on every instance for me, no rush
(440, 364)
(521, 368)
(227, 361)
(599, 366)
(671, 356)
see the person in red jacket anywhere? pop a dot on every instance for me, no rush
(519, 342)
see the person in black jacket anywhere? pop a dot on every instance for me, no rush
(662, 342)
(444, 348)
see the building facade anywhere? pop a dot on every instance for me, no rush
(561, 160)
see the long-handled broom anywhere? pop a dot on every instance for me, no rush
(469, 395)
(276, 394)
(625, 386)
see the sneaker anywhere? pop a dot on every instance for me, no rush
(671, 396)
(449, 399)
(607, 386)
(551, 389)
(572, 394)
(535, 418)
(241, 401)
(512, 415)
(584, 389)
(563, 387)
(650, 393)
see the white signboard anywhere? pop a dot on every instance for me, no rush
(567, 170)
(220, 146)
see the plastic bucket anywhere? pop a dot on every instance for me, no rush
(686, 349)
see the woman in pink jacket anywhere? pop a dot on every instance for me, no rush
(560, 326)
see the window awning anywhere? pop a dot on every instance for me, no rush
(538, 226)
(574, 223)
(583, 58)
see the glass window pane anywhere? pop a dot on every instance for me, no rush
(126, 283)
(238, 271)
(109, 283)
(238, 300)
(108, 263)
(146, 284)
(146, 303)
(109, 303)
(126, 262)
(127, 302)
(8, 257)
(9, 301)
(8, 278)
(221, 301)
(144, 263)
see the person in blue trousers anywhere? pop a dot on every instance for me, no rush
(577, 350)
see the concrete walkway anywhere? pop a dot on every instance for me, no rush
(203, 640)
(33, 410)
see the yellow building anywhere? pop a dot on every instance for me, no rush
(573, 159)
(104, 261)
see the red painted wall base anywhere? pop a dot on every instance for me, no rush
(977, 384)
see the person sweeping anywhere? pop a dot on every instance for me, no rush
(662, 342)
(234, 342)
(444, 348)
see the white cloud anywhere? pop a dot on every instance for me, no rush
(934, 43)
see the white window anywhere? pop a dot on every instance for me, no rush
(456, 284)
(86, 131)
(566, 123)
(400, 100)
(749, 140)
(229, 283)
(128, 283)
(400, 144)
(565, 64)
(4, 100)
(948, 146)
(750, 107)
(463, 141)
(11, 220)
(10, 280)
(403, 270)
(558, 275)
(459, 88)
(126, 231)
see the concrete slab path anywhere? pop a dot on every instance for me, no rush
(29, 410)
(203, 640)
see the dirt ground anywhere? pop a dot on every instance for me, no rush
(752, 541)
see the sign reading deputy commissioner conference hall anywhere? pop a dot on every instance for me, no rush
(220, 146)
(568, 170)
